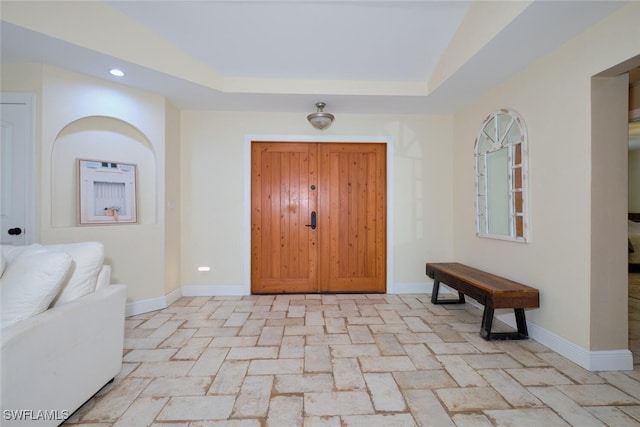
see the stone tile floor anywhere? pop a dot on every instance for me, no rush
(345, 360)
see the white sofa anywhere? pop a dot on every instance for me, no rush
(55, 360)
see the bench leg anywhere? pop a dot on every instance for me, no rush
(434, 296)
(487, 321)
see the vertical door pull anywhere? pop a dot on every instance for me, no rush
(313, 221)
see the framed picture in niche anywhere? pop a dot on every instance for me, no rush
(106, 192)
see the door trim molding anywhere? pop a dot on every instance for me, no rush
(246, 196)
(29, 99)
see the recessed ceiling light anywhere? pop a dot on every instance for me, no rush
(116, 72)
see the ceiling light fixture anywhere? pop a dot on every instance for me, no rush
(116, 72)
(320, 119)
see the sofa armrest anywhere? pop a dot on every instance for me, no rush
(60, 358)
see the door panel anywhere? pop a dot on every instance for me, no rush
(283, 248)
(346, 185)
(14, 158)
(352, 218)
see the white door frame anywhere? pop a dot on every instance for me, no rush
(29, 99)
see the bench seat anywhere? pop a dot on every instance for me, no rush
(491, 291)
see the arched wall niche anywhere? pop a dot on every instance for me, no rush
(106, 139)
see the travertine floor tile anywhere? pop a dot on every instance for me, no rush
(471, 420)
(322, 422)
(464, 374)
(336, 360)
(538, 376)
(249, 353)
(142, 412)
(304, 383)
(337, 403)
(471, 399)
(509, 389)
(624, 382)
(567, 408)
(162, 369)
(389, 345)
(347, 374)
(381, 420)
(197, 408)
(424, 380)
(181, 386)
(526, 418)
(275, 367)
(354, 350)
(285, 411)
(193, 349)
(427, 409)
(384, 392)
(111, 406)
(485, 361)
(597, 394)
(421, 357)
(253, 400)
(230, 377)
(209, 362)
(386, 364)
(612, 416)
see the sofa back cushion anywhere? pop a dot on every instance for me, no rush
(88, 258)
(31, 280)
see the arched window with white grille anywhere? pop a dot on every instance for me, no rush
(501, 177)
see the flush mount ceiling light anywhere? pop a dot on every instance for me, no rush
(320, 119)
(116, 72)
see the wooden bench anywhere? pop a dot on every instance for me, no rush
(489, 290)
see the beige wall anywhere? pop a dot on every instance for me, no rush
(554, 98)
(213, 160)
(173, 205)
(192, 208)
(199, 191)
(83, 117)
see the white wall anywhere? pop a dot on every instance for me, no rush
(634, 180)
(213, 206)
(554, 98)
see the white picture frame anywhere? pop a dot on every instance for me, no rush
(106, 192)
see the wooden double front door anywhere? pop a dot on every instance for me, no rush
(318, 217)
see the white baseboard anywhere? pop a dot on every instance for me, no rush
(153, 304)
(410, 288)
(608, 360)
(145, 306)
(213, 291)
(174, 296)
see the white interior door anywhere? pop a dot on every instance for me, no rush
(16, 161)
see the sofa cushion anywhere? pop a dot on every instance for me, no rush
(29, 284)
(88, 258)
(11, 252)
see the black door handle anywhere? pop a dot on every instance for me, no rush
(15, 231)
(313, 221)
